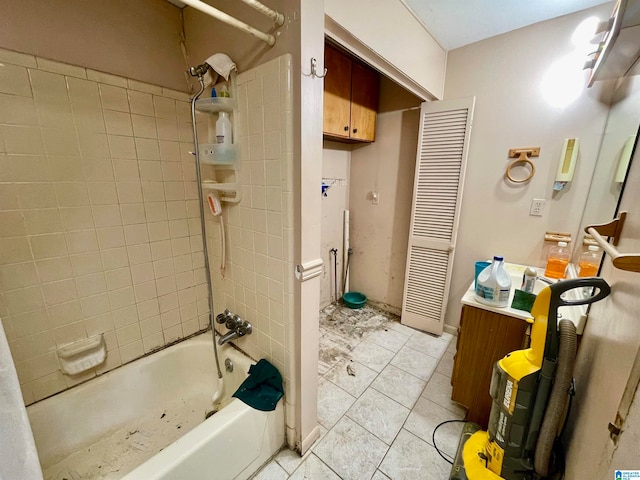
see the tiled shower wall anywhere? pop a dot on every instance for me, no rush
(259, 280)
(99, 220)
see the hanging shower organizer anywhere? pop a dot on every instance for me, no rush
(220, 155)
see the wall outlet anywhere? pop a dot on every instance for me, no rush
(537, 207)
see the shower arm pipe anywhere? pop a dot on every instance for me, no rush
(229, 20)
(205, 250)
(263, 9)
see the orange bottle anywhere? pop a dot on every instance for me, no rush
(557, 261)
(589, 262)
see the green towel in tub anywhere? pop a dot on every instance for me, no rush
(263, 387)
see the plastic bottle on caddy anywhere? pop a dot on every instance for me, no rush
(494, 284)
(557, 261)
(589, 262)
(223, 129)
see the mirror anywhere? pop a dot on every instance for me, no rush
(618, 139)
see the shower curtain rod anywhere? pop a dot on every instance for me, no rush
(234, 22)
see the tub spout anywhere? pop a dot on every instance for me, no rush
(227, 337)
(241, 329)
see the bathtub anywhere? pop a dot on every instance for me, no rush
(146, 420)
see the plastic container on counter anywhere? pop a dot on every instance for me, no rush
(494, 284)
(589, 262)
(557, 261)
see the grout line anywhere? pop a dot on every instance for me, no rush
(382, 393)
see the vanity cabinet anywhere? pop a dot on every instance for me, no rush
(350, 98)
(484, 337)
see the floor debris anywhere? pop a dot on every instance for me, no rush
(342, 328)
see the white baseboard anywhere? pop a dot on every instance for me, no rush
(452, 330)
(311, 438)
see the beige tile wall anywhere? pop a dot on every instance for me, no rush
(99, 220)
(259, 280)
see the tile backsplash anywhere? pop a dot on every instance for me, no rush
(99, 217)
(259, 281)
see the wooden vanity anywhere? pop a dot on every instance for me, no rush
(484, 337)
(486, 334)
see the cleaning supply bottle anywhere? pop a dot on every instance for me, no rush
(223, 128)
(494, 284)
(224, 91)
(529, 280)
(557, 261)
(589, 262)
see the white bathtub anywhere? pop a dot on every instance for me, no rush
(145, 421)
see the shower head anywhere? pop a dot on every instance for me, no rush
(199, 71)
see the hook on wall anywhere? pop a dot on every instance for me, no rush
(314, 67)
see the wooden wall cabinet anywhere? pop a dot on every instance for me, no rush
(350, 98)
(484, 337)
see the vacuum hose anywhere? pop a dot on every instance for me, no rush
(558, 398)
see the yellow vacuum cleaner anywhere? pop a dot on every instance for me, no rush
(530, 390)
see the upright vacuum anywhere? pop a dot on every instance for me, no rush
(530, 391)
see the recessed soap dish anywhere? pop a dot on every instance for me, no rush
(83, 355)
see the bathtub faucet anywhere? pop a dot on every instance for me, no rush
(238, 327)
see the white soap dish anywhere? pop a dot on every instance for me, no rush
(83, 355)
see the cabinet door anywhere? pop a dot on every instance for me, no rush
(364, 102)
(337, 93)
(484, 338)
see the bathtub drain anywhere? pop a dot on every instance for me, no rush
(228, 364)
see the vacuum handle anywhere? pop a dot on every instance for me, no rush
(557, 289)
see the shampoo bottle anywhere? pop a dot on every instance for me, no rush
(494, 284)
(223, 128)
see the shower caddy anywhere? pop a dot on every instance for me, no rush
(222, 156)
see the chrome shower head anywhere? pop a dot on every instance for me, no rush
(199, 71)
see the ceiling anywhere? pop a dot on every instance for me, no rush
(454, 23)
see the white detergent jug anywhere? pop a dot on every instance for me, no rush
(494, 284)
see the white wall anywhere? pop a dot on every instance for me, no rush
(138, 40)
(379, 233)
(505, 74)
(206, 35)
(336, 160)
(387, 27)
(609, 345)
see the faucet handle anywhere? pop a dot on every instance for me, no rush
(233, 322)
(224, 316)
(244, 329)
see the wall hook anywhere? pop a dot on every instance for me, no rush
(314, 66)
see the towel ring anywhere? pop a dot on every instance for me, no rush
(522, 159)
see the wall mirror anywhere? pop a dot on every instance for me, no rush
(620, 134)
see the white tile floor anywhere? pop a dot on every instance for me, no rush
(377, 424)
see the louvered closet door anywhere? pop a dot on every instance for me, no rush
(445, 127)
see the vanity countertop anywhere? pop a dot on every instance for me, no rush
(576, 314)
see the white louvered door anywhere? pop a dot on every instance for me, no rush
(445, 127)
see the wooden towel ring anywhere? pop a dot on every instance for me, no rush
(522, 159)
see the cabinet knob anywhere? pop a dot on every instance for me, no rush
(355, 130)
(346, 128)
